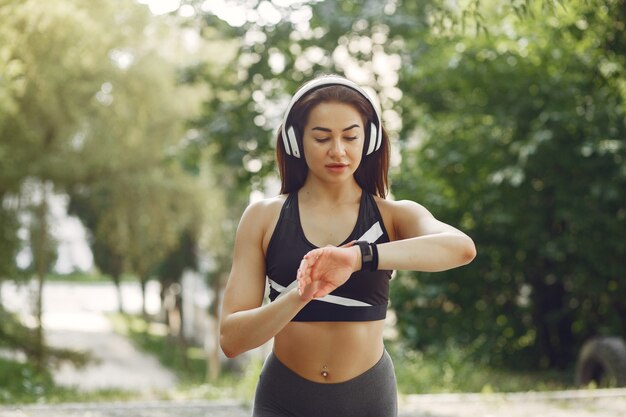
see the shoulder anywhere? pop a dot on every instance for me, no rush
(401, 208)
(262, 211)
(402, 217)
(260, 218)
(266, 205)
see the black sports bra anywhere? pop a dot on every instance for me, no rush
(363, 297)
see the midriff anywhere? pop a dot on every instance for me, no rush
(343, 350)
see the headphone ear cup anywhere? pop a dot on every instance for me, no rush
(372, 144)
(293, 142)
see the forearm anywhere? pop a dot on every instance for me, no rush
(429, 253)
(245, 330)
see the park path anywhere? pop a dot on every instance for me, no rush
(601, 403)
(74, 316)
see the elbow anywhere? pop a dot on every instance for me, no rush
(227, 347)
(230, 354)
(469, 252)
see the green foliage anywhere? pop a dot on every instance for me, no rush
(20, 339)
(83, 277)
(153, 338)
(244, 108)
(91, 105)
(171, 269)
(518, 139)
(452, 368)
(510, 124)
(22, 382)
(9, 242)
(24, 379)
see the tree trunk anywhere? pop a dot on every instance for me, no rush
(120, 300)
(142, 283)
(552, 320)
(41, 269)
(213, 359)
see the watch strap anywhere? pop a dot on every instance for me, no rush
(369, 258)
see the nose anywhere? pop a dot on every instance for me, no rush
(337, 147)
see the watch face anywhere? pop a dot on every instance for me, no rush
(366, 252)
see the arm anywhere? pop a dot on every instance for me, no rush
(245, 323)
(422, 243)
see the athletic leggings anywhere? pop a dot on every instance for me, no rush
(283, 393)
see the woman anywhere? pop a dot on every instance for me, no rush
(327, 245)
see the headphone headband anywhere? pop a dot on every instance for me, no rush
(289, 134)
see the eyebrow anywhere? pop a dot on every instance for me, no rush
(325, 129)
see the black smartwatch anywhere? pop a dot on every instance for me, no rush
(369, 256)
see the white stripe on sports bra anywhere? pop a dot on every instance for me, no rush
(333, 299)
(370, 236)
(373, 233)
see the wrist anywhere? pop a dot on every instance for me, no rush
(369, 256)
(301, 297)
(358, 259)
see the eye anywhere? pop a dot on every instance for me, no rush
(351, 138)
(321, 140)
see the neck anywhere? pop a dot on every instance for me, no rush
(340, 192)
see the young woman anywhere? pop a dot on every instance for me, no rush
(327, 245)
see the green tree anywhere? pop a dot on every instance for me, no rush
(90, 104)
(518, 138)
(500, 107)
(42, 113)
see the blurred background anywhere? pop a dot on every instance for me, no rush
(134, 133)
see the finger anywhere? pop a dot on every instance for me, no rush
(303, 286)
(305, 268)
(313, 255)
(303, 276)
(349, 244)
(301, 268)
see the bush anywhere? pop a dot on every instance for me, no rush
(22, 382)
(450, 368)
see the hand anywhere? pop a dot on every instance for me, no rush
(323, 270)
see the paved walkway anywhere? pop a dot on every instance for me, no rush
(601, 403)
(131, 409)
(74, 317)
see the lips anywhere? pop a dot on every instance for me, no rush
(337, 168)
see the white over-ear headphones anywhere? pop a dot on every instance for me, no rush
(289, 134)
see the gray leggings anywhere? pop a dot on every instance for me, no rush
(283, 393)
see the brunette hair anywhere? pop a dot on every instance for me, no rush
(371, 175)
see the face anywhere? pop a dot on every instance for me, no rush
(333, 141)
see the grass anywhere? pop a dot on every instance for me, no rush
(448, 370)
(435, 371)
(22, 383)
(86, 277)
